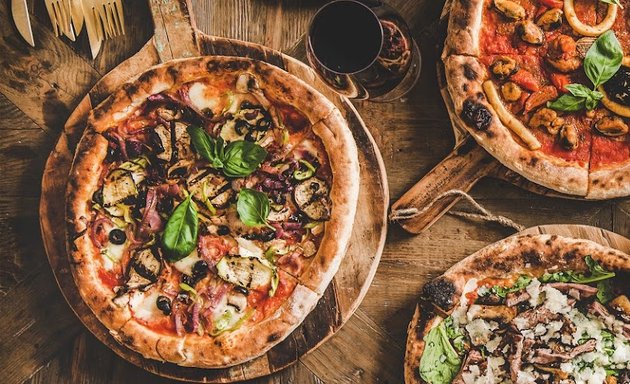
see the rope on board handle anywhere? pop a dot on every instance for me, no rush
(483, 214)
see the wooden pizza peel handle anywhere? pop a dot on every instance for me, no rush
(175, 29)
(460, 170)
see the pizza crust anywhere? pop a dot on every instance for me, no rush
(464, 28)
(609, 182)
(247, 342)
(464, 77)
(535, 254)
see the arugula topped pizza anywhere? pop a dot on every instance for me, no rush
(210, 203)
(528, 309)
(544, 86)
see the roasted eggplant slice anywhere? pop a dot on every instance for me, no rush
(282, 214)
(207, 186)
(182, 141)
(144, 269)
(618, 87)
(246, 272)
(118, 186)
(311, 197)
(163, 146)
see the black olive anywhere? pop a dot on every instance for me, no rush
(279, 198)
(165, 205)
(113, 154)
(187, 279)
(618, 87)
(97, 197)
(264, 123)
(199, 270)
(242, 127)
(251, 136)
(242, 290)
(298, 217)
(164, 304)
(247, 105)
(476, 115)
(207, 112)
(223, 230)
(183, 297)
(268, 235)
(117, 236)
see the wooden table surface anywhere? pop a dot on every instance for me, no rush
(41, 341)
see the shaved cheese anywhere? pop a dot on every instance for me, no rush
(459, 314)
(589, 375)
(480, 331)
(492, 345)
(534, 292)
(555, 301)
(622, 352)
(508, 119)
(525, 378)
(186, 264)
(589, 30)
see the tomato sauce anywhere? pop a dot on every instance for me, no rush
(609, 150)
(266, 305)
(109, 279)
(552, 146)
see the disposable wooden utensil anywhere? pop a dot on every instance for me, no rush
(77, 16)
(93, 26)
(63, 17)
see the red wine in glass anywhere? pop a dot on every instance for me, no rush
(363, 50)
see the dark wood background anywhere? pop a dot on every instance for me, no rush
(41, 341)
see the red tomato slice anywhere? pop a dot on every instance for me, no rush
(560, 80)
(526, 80)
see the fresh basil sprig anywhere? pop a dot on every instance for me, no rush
(180, 234)
(596, 273)
(252, 207)
(602, 61)
(238, 159)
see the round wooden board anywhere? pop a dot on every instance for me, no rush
(356, 272)
(598, 235)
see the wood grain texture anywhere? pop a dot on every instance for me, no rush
(414, 135)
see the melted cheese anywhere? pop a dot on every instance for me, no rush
(111, 255)
(247, 248)
(144, 305)
(186, 264)
(201, 96)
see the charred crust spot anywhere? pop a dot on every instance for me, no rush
(105, 106)
(173, 72)
(130, 89)
(476, 115)
(440, 292)
(571, 255)
(465, 87)
(273, 337)
(217, 343)
(212, 66)
(553, 237)
(533, 161)
(146, 77)
(532, 257)
(501, 266)
(469, 72)
(595, 181)
(125, 339)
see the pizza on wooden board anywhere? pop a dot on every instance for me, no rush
(528, 309)
(544, 86)
(210, 203)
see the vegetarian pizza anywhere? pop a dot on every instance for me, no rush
(544, 86)
(210, 203)
(528, 309)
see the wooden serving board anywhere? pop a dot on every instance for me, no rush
(598, 235)
(462, 168)
(176, 36)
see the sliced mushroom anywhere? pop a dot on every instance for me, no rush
(246, 272)
(118, 186)
(311, 197)
(510, 9)
(144, 269)
(162, 143)
(568, 137)
(511, 91)
(530, 32)
(548, 119)
(611, 126)
(504, 67)
(238, 301)
(550, 20)
(500, 313)
(169, 114)
(309, 248)
(280, 215)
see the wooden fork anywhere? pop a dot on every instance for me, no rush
(60, 13)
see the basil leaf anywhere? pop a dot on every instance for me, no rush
(242, 158)
(596, 273)
(180, 234)
(567, 103)
(603, 58)
(206, 146)
(604, 292)
(578, 90)
(252, 207)
(440, 362)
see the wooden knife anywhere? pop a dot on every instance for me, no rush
(19, 10)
